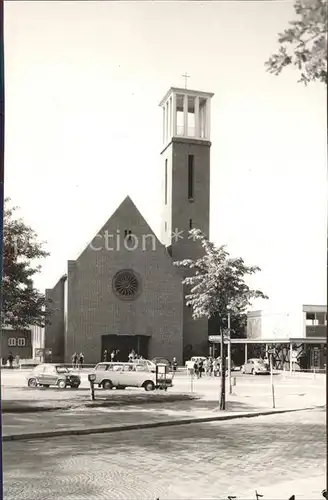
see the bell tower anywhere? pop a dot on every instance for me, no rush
(186, 187)
(186, 168)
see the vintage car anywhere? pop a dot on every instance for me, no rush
(121, 375)
(255, 366)
(47, 374)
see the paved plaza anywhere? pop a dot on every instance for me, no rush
(295, 391)
(278, 455)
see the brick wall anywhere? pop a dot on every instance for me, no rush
(55, 332)
(93, 308)
(16, 348)
(177, 213)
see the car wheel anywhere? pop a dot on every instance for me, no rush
(32, 382)
(149, 385)
(107, 384)
(253, 372)
(61, 384)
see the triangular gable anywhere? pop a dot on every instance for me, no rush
(126, 216)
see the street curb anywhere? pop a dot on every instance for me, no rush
(146, 425)
(33, 409)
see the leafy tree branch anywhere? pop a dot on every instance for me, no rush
(304, 44)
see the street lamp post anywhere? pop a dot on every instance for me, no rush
(229, 354)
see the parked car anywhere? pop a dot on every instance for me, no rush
(47, 374)
(255, 366)
(122, 375)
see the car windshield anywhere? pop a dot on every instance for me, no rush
(61, 369)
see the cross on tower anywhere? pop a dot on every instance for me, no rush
(185, 76)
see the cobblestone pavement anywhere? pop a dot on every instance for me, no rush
(197, 461)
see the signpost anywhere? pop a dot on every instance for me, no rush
(229, 356)
(161, 376)
(270, 352)
(216, 339)
(92, 378)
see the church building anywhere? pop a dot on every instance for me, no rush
(123, 292)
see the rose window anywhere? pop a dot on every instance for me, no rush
(126, 285)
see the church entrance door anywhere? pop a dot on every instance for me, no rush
(124, 344)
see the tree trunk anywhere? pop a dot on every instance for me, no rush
(223, 370)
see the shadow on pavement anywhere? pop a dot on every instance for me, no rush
(110, 400)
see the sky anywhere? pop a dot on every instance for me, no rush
(83, 129)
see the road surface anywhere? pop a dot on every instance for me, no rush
(194, 461)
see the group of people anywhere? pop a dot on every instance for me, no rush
(77, 360)
(210, 367)
(114, 355)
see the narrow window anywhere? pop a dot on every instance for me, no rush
(190, 223)
(190, 177)
(21, 342)
(12, 342)
(127, 234)
(320, 317)
(165, 187)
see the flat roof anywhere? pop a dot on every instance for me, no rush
(314, 308)
(294, 340)
(181, 90)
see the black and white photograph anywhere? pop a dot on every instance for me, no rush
(163, 250)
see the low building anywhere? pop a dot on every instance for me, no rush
(300, 335)
(16, 342)
(296, 339)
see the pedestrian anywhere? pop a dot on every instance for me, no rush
(74, 360)
(112, 356)
(81, 360)
(196, 369)
(131, 356)
(215, 367)
(211, 367)
(201, 368)
(10, 360)
(174, 364)
(105, 355)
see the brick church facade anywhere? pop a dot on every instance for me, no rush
(123, 292)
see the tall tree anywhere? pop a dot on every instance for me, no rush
(304, 43)
(218, 287)
(22, 304)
